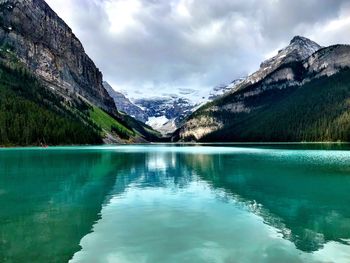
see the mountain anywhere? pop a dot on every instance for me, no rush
(125, 105)
(299, 49)
(31, 114)
(223, 89)
(48, 47)
(51, 91)
(165, 113)
(301, 94)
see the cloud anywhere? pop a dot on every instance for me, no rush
(184, 91)
(154, 46)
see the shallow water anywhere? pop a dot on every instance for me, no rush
(164, 203)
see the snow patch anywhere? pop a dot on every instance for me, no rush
(157, 122)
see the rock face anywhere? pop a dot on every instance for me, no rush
(165, 114)
(125, 105)
(45, 43)
(170, 107)
(297, 64)
(299, 49)
(224, 89)
(328, 61)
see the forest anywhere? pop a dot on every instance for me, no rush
(30, 114)
(318, 111)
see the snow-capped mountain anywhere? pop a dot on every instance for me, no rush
(223, 89)
(298, 49)
(165, 114)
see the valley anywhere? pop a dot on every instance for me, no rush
(181, 131)
(300, 94)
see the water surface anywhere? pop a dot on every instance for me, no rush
(163, 203)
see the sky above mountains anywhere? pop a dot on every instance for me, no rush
(186, 47)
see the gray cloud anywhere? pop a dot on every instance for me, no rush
(149, 47)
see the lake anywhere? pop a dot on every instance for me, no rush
(176, 203)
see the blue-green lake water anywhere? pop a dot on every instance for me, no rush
(178, 204)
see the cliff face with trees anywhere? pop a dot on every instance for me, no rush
(298, 95)
(45, 43)
(50, 90)
(317, 111)
(31, 114)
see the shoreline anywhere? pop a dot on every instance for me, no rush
(174, 144)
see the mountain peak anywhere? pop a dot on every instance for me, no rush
(301, 41)
(298, 39)
(299, 48)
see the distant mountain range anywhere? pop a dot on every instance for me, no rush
(272, 104)
(167, 113)
(301, 94)
(164, 114)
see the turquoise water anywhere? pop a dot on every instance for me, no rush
(163, 203)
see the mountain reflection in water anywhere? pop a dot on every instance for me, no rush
(171, 204)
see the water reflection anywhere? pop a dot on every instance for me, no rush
(175, 204)
(50, 199)
(183, 196)
(304, 194)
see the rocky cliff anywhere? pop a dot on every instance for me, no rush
(45, 43)
(298, 49)
(125, 105)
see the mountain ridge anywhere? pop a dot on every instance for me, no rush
(165, 113)
(124, 104)
(259, 92)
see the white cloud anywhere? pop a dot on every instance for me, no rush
(121, 14)
(335, 29)
(145, 46)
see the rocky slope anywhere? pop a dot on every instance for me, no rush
(45, 70)
(45, 43)
(299, 49)
(302, 64)
(31, 114)
(125, 105)
(224, 89)
(165, 113)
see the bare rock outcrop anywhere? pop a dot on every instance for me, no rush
(45, 43)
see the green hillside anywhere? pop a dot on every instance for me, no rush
(143, 129)
(110, 124)
(317, 111)
(30, 114)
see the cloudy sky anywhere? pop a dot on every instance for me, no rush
(159, 47)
